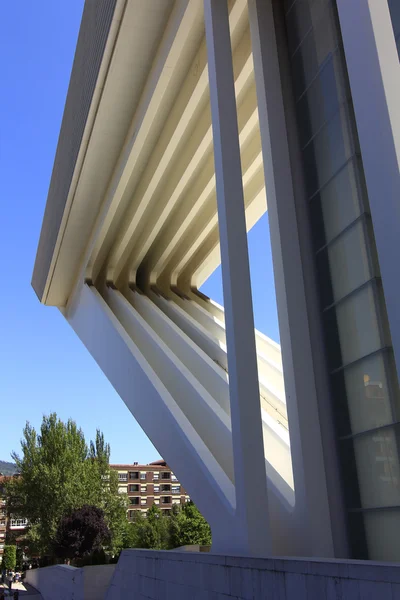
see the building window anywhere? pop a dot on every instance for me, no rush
(19, 522)
(166, 500)
(143, 501)
(156, 476)
(134, 475)
(143, 488)
(2, 522)
(157, 501)
(134, 488)
(166, 487)
(176, 489)
(134, 501)
(166, 475)
(173, 477)
(142, 475)
(157, 488)
(122, 477)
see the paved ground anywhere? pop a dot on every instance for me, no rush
(26, 592)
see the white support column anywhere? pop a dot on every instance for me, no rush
(248, 448)
(157, 412)
(312, 512)
(374, 74)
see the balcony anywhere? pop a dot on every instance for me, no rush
(18, 523)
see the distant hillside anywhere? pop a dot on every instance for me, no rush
(7, 468)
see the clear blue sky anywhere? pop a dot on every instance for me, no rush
(43, 365)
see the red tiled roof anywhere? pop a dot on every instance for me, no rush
(132, 467)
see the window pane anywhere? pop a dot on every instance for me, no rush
(394, 7)
(377, 461)
(316, 48)
(348, 263)
(302, 17)
(328, 152)
(337, 205)
(322, 99)
(382, 529)
(371, 403)
(358, 325)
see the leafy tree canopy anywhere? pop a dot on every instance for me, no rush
(9, 557)
(81, 533)
(60, 473)
(184, 526)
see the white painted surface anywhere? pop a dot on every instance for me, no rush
(247, 440)
(312, 502)
(96, 581)
(61, 582)
(158, 575)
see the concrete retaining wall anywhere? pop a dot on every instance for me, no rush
(157, 575)
(63, 582)
(96, 579)
(60, 582)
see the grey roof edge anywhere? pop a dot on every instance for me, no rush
(93, 33)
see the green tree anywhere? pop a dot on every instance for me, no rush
(158, 531)
(19, 557)
(9, 557)
(81, 533)
(188, 527)
(59, 473)
(105, 481)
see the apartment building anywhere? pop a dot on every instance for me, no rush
(3, 516)
(150, 484)
(7, 524)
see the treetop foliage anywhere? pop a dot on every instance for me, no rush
(69, 495)
(61, 473)
(81, 533)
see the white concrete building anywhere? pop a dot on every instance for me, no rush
(184, 121)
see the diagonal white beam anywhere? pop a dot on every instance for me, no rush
(247, 437)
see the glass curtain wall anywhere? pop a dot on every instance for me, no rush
(360, 359)
(394, 7)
